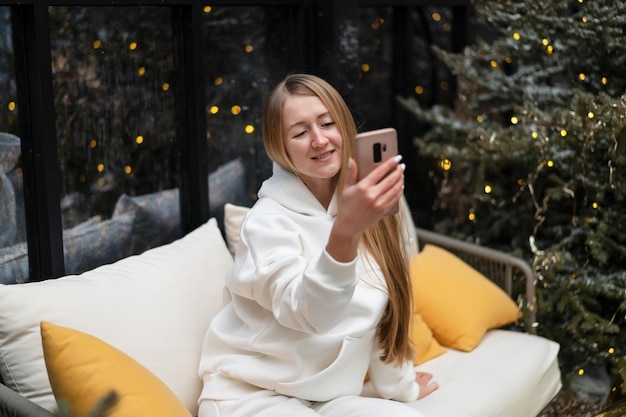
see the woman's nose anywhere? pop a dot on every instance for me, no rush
(318, 140)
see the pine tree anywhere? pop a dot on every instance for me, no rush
(532, 159)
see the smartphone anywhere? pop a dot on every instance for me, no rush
(374, 147)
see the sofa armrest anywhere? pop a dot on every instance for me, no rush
(494, 264)
(13, 404)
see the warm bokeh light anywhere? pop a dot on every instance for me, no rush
(365, 67)
(128, 169)
(141, 71)
(419, 89)
(139, 140)
(249, 48)
(207, 9)
(11, 106)
(514, 120)
(445, 164)
(471, 217)
(249, 129)
(97, 44)
(100, 167)
(488, 189)
(517, 36)
(214, 109)
(132, 46)
(93, 143)
(235, 109)
(218, 81)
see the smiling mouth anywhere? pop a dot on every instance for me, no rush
(323, 156)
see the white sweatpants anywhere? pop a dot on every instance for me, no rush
(269, 404)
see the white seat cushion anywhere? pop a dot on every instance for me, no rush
(509, 374)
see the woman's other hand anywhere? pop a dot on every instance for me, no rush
(426, 387)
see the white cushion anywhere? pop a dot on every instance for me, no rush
(508, 374)
(233, 217)
(155, 307)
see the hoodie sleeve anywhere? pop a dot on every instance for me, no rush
(304, 287)
(392, 382)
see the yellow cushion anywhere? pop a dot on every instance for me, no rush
(425, 345)
(457, 302)
(82, 369)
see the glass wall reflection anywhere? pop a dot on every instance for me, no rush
(13, 251)
(114, 86)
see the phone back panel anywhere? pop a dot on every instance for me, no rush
(374, 147)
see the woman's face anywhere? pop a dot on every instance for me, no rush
(312, 139)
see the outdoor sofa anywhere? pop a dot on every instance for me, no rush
(156, 306)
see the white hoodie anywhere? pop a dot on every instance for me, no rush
(299, 323)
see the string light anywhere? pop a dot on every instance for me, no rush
(514, 120)
(97, 44)
(419, 89)
(549, 49)
(100, 167)
(493, 64)
(550, 163)
(93, 143)
(591, 115)
(249, 48)
(581, 372)
(563, 132)
(214, 109)
(207, 9)
(488, 189)
(471, 216)
(584, 19)
(534, 135)
(218, 81)
(444, 85)
(377, 23)
(132, 46)
(480, 118)
(128, 169)
(445, 164)
(447, 27)
(611, 351)
(545, 42)
(604, 80)
(235, 109)
(141, 71)
(249, 129)
(436, 17)
(594, 205)
(139, 140)
(11, 106)
(365, 67)
(582, 76)
(165, 86)
(517, 36)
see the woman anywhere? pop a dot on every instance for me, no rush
(320, 289)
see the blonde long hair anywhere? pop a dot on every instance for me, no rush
(384, 241)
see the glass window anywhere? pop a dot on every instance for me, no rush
(13, 250)
(114, 86)
(247, 52)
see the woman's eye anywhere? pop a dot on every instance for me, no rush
(300, 134)
(328, 124)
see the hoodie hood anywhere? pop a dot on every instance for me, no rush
(289, 191)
